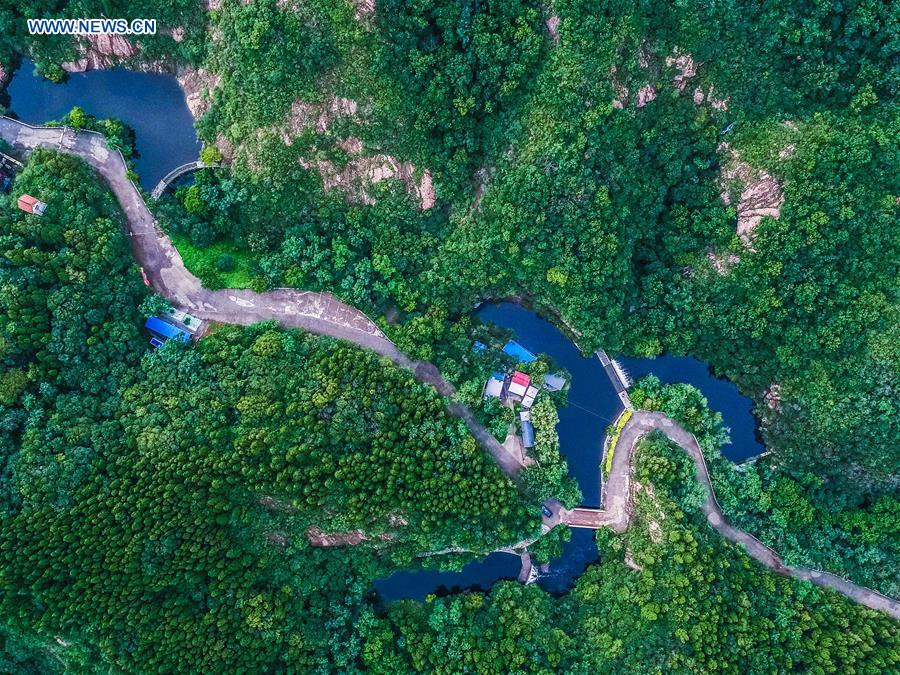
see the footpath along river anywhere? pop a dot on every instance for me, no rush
(593, 405)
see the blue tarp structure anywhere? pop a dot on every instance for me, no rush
(167, 330)
(518, 352)
(479, 346)
(527, 435)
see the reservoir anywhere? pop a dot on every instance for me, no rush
(150, 103)
(593, 405)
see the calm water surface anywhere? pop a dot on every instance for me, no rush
(151, 103)
(593, 405)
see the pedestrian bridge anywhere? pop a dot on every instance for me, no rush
(590, 519)
(177, 172)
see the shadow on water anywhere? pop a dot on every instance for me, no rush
(593, 405)
(478, 575)
(151, 103)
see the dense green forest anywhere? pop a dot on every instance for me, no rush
(199, 470)
(591, 158)
(694, 604)
(554, 185)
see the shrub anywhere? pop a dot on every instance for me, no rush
(225, 263)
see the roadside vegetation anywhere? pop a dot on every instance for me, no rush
(794, 515)
(696, 604)
(200, 469)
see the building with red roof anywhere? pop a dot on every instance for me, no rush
(31, 205)
(518, 384)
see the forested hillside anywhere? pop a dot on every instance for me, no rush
(155, 504)
(607, 169)
(696, 605)
(714, 179)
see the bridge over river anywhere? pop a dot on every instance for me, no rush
(323, 314)
(178, 172)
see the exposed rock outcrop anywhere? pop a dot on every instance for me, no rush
(684, 64)
(351, 145)
(226, 147)
(717, 103)
(722, 262)
(176, 33)
(553, 28)
(316, 537)
(198, 85)
(364, 9)
(620, 91)
(773, 397)
(102, 51)
(686, 69)
(360, 173)
(645, 94)
(761, 195)
(317, 116)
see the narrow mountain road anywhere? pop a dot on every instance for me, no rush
(616, 512)
(319, 313)
(323, 314)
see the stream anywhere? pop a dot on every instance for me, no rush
(154, 106)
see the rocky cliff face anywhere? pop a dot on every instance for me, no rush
(198, 85)
(101, 51)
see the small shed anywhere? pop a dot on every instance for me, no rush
(518, 384)
(31, 204)
(554, 382)
(527, 435)
(518, 352)
(530, 394)
(166, 330)
(493, 388)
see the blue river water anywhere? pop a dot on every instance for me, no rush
(152, 104)
(593, 405)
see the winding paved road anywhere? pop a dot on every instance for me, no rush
(323, 314)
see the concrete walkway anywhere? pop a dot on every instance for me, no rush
(323, 314)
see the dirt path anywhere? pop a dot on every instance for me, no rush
(323, 314)
(617, 510)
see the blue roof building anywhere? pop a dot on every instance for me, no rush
(164, 329)
(527, 435)
(518, 352)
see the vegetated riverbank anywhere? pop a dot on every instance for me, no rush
(593, 405)
(153, 104)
